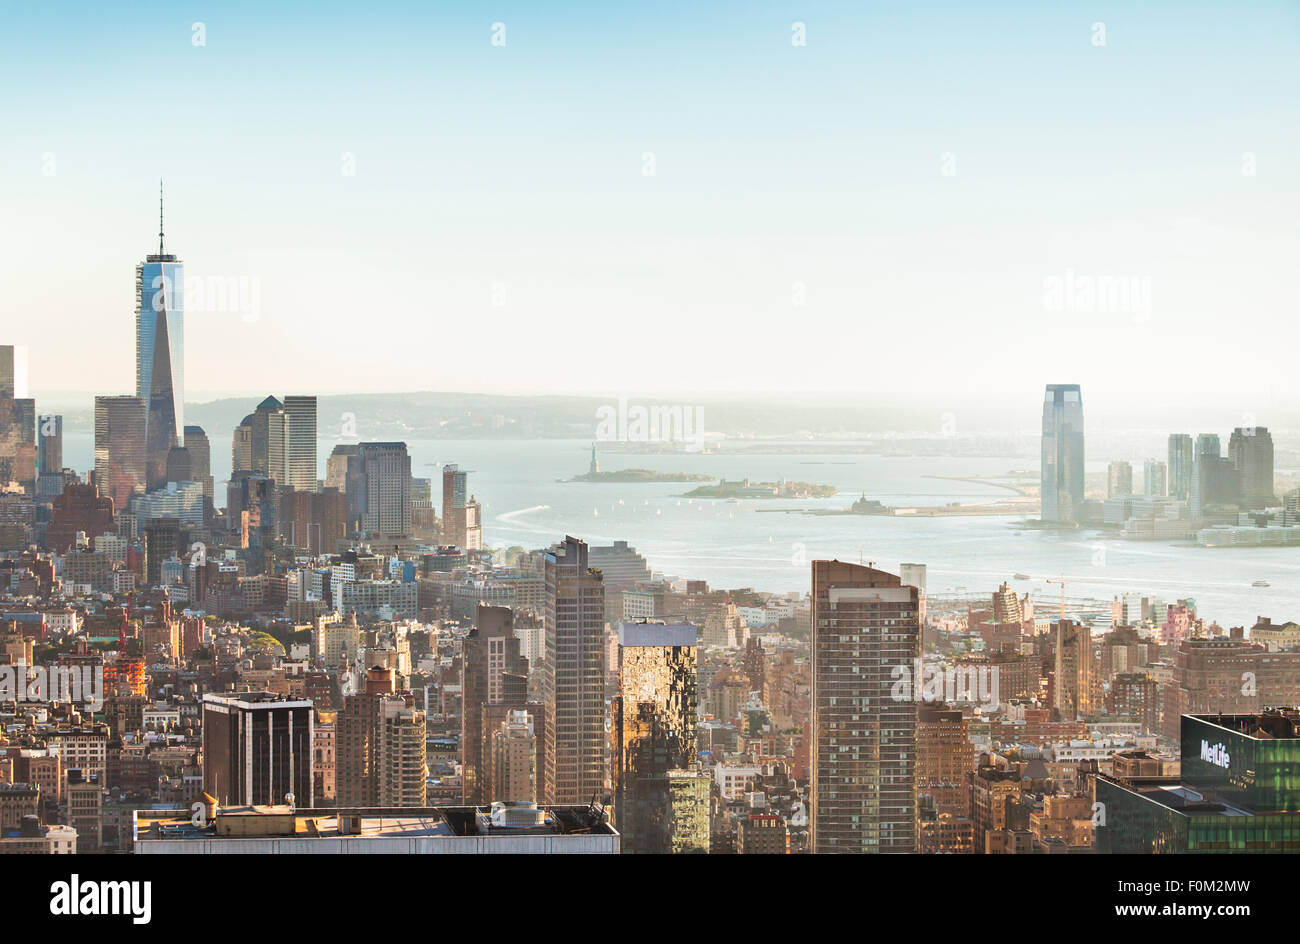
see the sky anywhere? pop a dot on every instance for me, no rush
(624, 199)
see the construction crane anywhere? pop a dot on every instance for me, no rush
(1061, 583)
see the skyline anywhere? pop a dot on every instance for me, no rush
(785, 428)
(782, 172)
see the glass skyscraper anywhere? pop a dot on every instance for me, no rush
(1237, 791)
(1180, 465)
(1062, 459)
(658, 805)
(160, 354)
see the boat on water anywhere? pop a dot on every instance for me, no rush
(1260, 583)
(1022, 577)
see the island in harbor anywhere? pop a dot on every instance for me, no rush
(639, 475)
(744, 488)
(634, 476)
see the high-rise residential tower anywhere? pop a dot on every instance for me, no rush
(865, 639)
(160, 353)
(1062, 454)
(380, 745)
(573, 680)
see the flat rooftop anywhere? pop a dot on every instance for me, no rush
(1270, 724)
(1170, 792)
(273, 822)
(279, 822)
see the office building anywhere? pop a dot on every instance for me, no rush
(1180, 466)
(455, 494)
(1251, 452)
(913, 575)
(1215, 481)
(200, 450)
(385, 481)
(18, 443)
(18, 463)
(1072, 692)
(241, 447)
(944, 756)
(120, 448)
(494, 685)
(160, 354)
(315, 521)
(652, 733)
(1154, 478)
(1236, 792)
(299, 447)
(49, 444)
(1119, 479)
(573, 680)
(13, 372)
(257, 749)
(863, 744)
(1062, 454)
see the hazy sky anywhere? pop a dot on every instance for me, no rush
(921, 197)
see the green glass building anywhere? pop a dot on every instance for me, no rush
(1239, 791)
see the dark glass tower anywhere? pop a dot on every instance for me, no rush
(1062, 460)
(652, 738)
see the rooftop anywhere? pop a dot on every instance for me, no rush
(283, 822)
(1170, 792)
(1271, 724)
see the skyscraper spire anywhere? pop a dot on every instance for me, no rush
(160, 216)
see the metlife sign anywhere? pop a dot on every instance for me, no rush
(1215, 754)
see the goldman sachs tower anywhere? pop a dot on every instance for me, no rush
(160, 353)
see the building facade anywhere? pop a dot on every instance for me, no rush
(866, 636)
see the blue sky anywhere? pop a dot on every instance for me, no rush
(799, 218)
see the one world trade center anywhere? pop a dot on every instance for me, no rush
(160, 354)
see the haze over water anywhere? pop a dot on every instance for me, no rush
(736, 544)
